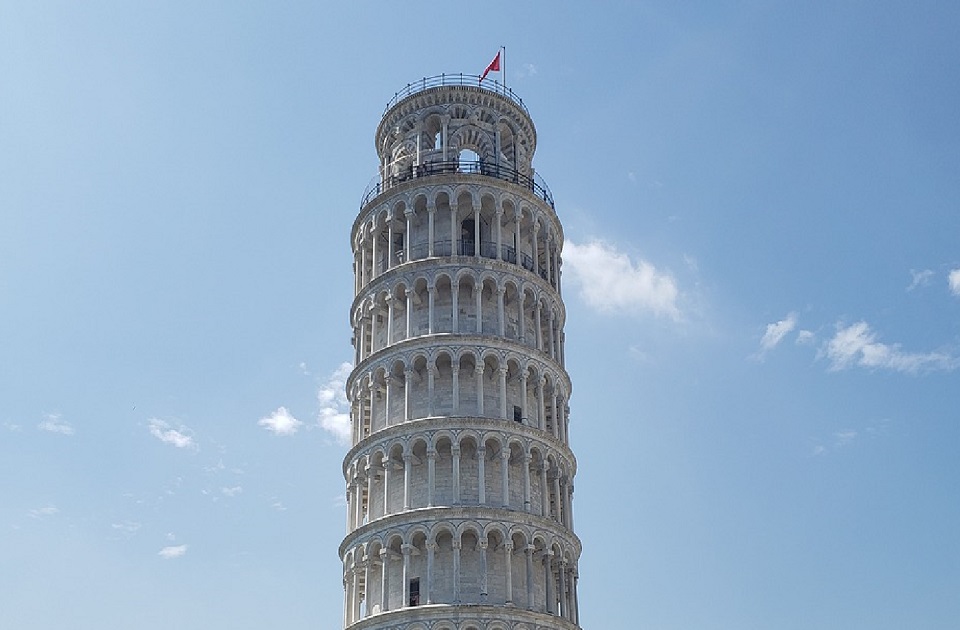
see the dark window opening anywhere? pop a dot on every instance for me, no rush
(517, 414)
(414, 591)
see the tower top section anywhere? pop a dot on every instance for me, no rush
(437, 119)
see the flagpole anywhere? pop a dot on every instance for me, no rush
(503, 68)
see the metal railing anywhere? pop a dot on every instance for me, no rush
(534, 184)
(465, 80)
(465, 247)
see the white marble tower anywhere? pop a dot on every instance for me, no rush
(460, 478)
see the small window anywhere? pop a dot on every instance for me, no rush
(517, 414)
(414, 591)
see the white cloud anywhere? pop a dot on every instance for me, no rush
(49, 510)
(280, 422)
(611, 282)
(54, 424)
(805, 337)
(231, 492)
(857, 345)
(168, 435)
(844, 437)
(953, 278)
(127, 528)
(919, 278)
(12, 426)
(334, 417)
(168, 553)
(777, 331)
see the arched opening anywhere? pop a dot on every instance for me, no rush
(468, 161)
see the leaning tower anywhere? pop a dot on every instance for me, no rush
(460, 477)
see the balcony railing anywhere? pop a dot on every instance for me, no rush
(465, 247)
(466, 80)
(534, 184)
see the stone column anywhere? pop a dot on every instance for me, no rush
(387, 386)
(534, 238)
(368, 469)
(553, 350)
(454, 223)
(408, 293)
(505, 475)
(367, 562)
(428, 587)
(541, 409)
(537, 320)
(355, 604)
(408, 214)
(372, 391)
(455, 455)
(521, 319)
(455, 368)
(406, 549)
(431, 475)
(431, 211)
(456, 571)
(502, 373)
(484, 592)
(431, 299)
(373, 327)
(349, 499)
(407, 398)
(407, 472)
(476, 232)
(455, 298)
(478, 304)
(544, 491)
(389, 300)
(499, 226)
(373, 263)
(478, 371)
(385, 580)
(562, 572)
(431, 377)
(508, 563)
(346, 600)
(558, 498)
(517, 218)
(386, 486)
(529, 553)
(527, 460)
(481, 472)
(501, 317)
(548, 573)
(390, 252)
(523, 396)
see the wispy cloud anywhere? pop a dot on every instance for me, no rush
(176, 551)
(127, 528)
(806, 337)
(333, 416)
(43, 512)
(611, 282)
(919, 278)
(775, 333)
(54, 424)
(280, 422)
(953, 279)
(179, 437)
(857, 345)
(231, 492)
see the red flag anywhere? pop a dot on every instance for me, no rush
(493, 67)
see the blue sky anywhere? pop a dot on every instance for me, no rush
(762, 276)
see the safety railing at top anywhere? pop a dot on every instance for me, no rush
(534, 184)
(470, 80)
